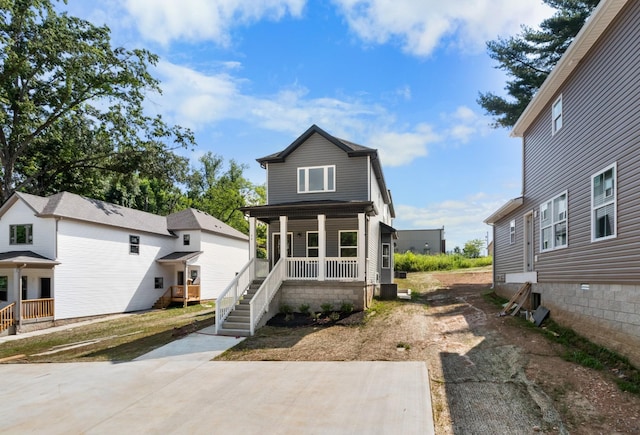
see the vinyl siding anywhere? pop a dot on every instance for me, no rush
(43, 230)
(601, 126)
(97, 275)
(351, 173)
(221, 260)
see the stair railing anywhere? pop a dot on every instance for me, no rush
(231, 295)
(259, 304)
(7, 318)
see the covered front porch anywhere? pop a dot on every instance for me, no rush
(187, 278)
(19, 270)
(324, 241)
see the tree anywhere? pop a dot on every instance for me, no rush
(529, 57)
(71, 106)
(472, 248)
(221, 191)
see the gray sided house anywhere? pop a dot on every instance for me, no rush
(574, 233)
(329, 237)
(430, 242)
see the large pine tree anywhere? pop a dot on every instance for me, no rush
(529, 57)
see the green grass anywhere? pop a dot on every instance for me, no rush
(411, 262)
(121, 339)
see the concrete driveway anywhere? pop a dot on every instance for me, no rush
(178, 390)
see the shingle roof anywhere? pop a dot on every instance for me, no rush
(71, 206)
(192, 219)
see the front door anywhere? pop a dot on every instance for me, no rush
(276, 247)
(181, 277)
(45, 288)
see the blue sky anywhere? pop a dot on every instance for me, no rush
(402, 76)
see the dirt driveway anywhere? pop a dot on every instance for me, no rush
(488, 374)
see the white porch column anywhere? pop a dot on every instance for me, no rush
(284, 237)
(17, 291)
(322, 246)
(362, 245)
(252, 238)
(186, 283)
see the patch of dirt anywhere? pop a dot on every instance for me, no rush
(488, 374)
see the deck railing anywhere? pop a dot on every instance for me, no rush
(37, 309)
(259, 304)
(193, 292)
(7, 319)
(336, 268)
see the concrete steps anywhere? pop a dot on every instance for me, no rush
(238, 322)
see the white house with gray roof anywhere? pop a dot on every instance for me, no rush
(66, 256)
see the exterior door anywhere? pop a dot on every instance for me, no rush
(528, 254)
(181, 277)
(24, 283)
(45, 288)
(276, 247)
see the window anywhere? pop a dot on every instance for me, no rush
(24, 282)
(348, 243)
(4, 286)
(134, 244)
(556, 115)
(186, 239)
(386, 256)
(312, 244)
(603, 204)
(512, 231)
(21, 234)
(317, 179)
(553, 223)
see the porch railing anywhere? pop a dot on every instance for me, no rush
(336, 268)
(37, 309)
(7, 318)
(234, 291)
(259, 304)
(193, 292)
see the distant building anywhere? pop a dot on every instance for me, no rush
(421, 241)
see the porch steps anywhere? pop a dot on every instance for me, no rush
(238, 322)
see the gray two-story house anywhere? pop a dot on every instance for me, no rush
(574, 233)
(329, 239)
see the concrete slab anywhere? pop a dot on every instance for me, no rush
(163, 395)
(203, 345)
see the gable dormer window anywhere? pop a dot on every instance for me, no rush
(317, 179)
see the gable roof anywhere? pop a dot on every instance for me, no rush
(602, 16)
(352, 150)
(192, 219)
(67, 205)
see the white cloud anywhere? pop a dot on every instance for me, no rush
(397, 149)
(421, 26)
(212, 20)
(464, 124)
(462, 219)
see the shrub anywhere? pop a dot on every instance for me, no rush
(411, 262)
(326, 308)
(335, 316)
(346, 307)
(304, 308)
(286, 309)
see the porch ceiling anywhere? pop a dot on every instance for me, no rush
(311, 210)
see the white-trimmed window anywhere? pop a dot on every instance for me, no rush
(134, 245)
(603, 204)
(158, 282)
(386, 255)
(317, 179)
(556, 115)
(553, 223)
(21, 234)
(512, 231)
(312, 244)
(348, 243)
(186, 239)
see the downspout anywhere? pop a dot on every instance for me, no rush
(186, 283)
